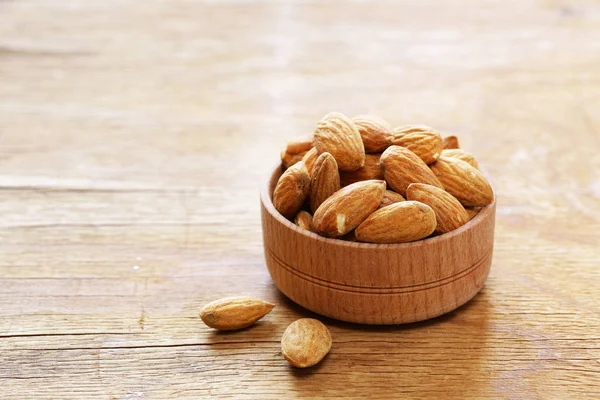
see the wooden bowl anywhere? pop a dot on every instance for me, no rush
(376, 283)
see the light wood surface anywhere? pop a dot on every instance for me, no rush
(376, 283)
(133, 140)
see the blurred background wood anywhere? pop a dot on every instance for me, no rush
(133, 140)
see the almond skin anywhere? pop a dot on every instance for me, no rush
(232, 313)
(376, 134)
(391, 197)
(287, 159)
(348, 207)
(291, 190)
(371, 170)
(422, 140)
(401, 167)
(450, 142)
(300, 144)
(304, 220)
(337, 135)
(461, 155)
(463, 181)
(325, 180)
(309, 159)
(449, 213)
(472, 212)
(402, 222)
(305, 342)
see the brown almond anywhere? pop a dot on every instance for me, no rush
(450, 142)
(461, 155)
(233, 313)
(305, 342)
(402, 222)
(472, 212)
(291, 190)
(287, 159)
(348, 207)
(449, 213)
(376, 134)
(325, 180)
(304, 220)
(401, 167)
(309, 159)
(371, 170)
(300, 144)
(422, 140)
(463, 181)
(390, 197)
(338, 135)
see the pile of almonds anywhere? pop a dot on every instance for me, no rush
(304, 343)
(360, 180)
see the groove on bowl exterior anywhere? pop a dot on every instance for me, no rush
(376, 283)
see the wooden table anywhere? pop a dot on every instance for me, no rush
(133, 140)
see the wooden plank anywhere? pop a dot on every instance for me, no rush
(133, 143)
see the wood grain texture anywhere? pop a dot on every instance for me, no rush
(133, 142)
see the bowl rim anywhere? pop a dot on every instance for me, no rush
(265, 197)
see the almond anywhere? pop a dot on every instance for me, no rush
(422, 140)
(233, 313)
(300, 144)
(402, 222)
(401, 167)
(309, 159)
(325, 180)
(463, 181)
(449, 213)
(304, 220)
(450, 142)
(371, 170)
(291, 190)
(472, 212)
(376, 134)
(287, 159)
(305, 342)
(390, 197)
(348, 207)
(461, 155)
(337, 134)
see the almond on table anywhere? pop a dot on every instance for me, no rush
(232, 313)
(305, 342)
